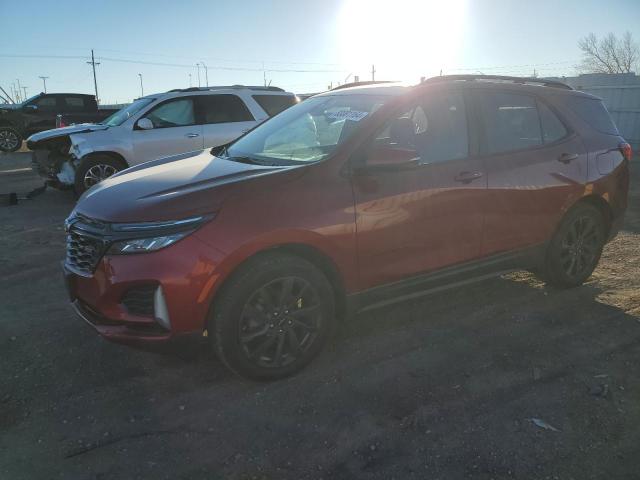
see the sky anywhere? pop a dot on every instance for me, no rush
(302, 46)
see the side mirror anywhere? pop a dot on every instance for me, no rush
(31, 106)
(145, 124)
(391, 157)
(218, 149)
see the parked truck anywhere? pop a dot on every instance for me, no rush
(40, 112)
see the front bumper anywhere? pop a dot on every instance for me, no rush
(186, 274)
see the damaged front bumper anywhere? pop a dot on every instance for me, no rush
(57, 169)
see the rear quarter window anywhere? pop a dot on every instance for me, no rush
(274, 104)
(593, 112)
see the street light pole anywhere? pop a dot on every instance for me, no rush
(198, 66)
(141, 87)
(206, 73)
(44, 81)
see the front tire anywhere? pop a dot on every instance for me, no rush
(92, 170)
(10, 140)
(575, 249)
(272, 317)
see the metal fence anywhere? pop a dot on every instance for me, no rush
(621, 95)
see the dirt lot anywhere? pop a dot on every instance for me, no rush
(442, 388)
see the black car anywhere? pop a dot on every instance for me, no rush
(39, 113)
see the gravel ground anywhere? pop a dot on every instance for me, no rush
(442, 388)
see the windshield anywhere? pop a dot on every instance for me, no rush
(307, 132)
(30, 99)
(125, 113)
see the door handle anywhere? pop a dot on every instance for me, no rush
(567, 157)
(468, 177)
(192, 135)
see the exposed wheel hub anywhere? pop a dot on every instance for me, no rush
(8, 140)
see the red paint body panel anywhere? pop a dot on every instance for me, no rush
(374, 228)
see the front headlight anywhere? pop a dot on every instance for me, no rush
(141, 245)
(151, 236)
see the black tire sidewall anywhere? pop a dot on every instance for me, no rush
(17, 147)
(223, 326)
(554, 273)
(87, 163)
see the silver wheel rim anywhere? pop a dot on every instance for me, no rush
(8, 140)
(97, 173)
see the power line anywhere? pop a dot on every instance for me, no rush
(166, 64)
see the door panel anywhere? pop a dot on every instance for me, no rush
(163, 142)
(418, 218)
(44, 118)
(175, 131)
(528, 188)
(220, 133)
(224, 117)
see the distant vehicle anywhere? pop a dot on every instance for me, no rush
(353, 199)
(151, 127)
(39, 113)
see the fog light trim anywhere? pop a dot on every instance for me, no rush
(160, 309)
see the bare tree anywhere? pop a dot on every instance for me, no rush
(608, 55)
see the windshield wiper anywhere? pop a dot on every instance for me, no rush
(249, 160)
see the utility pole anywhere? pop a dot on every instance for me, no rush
(44, 81)
(93, 64)
(141, 87)
(264, 75)
(373, 73)
(25, 92)
(206, 73)
(198, 65)
(20, 88)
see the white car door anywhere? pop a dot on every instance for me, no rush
(224, 117)
(174, 131)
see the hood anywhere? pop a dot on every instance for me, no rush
(176, 187)
(10, 106)
(61, 132)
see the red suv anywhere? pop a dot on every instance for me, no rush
(350, 200)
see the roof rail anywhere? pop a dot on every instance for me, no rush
(222, 87)
(360, 84)
(499, 78)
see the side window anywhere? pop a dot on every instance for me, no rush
(436, 129)
(552, 127)
(274, 104)
(174, 113)
(46, 103)
(511, 121)
(73, 103)
(223, 109)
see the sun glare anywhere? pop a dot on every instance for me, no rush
(405, 39)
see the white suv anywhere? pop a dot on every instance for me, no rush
(151, 127)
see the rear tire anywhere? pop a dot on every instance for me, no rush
(575, 249)
(10, 140)
(272, 317)
(92, 170)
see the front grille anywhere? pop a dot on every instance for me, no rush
(139, 300)
(83, 252)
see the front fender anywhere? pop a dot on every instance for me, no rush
(227, 263)
(106, 141)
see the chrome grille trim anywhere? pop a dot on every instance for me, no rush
(84, 249)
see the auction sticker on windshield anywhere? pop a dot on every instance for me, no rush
(353, 115)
